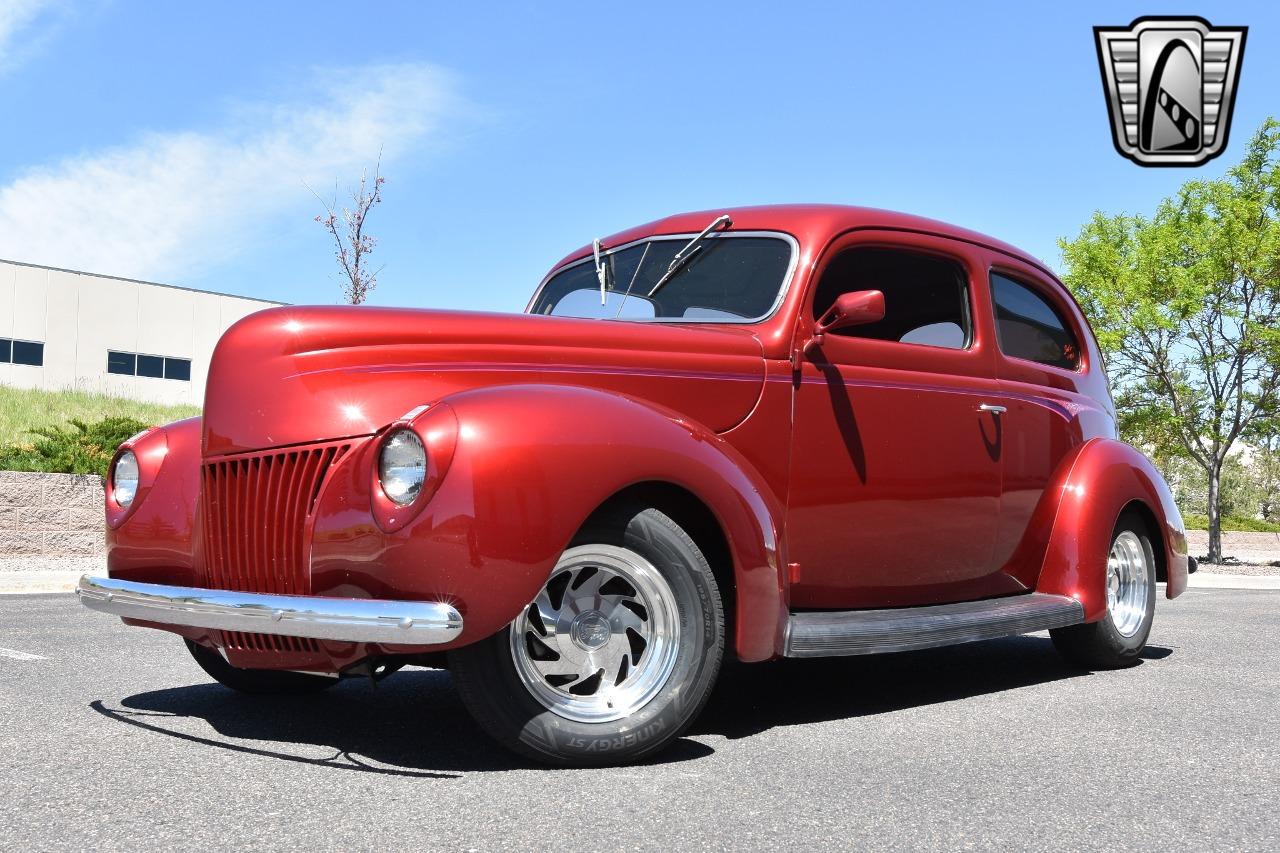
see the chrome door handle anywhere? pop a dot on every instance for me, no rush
(997, 410)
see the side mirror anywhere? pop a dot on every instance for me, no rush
(850, 309)
(853, 309)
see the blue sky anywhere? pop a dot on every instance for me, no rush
(176, 141)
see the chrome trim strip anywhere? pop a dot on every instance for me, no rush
(783, 289)
(355, 620)
(864, 632)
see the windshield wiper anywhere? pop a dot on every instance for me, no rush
(683, 256)
(602, 272)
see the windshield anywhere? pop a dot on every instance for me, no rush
(730, 278)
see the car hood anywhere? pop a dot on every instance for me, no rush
(301, 374)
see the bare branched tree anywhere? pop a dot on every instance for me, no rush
(353, 244)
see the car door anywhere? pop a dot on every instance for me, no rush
(1051, 390)
(895, 481)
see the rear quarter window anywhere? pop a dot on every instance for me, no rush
(1029, 327)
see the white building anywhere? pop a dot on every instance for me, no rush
(61, 329)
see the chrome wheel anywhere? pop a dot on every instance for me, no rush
(1127, 587)
(600, 640)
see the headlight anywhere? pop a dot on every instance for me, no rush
(402, 466)
(124, 479)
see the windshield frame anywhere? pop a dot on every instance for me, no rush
(784, 286)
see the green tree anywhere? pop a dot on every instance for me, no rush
(1239, 495)
(1264, 470)
(1186, 306)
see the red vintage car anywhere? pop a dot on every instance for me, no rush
(765, 432)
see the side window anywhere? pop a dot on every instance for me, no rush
(1028, 327)
(926, 298)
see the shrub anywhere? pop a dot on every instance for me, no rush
(78, 448)
(1231, 523)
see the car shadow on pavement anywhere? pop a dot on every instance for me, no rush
(412, 724)
(754, 698)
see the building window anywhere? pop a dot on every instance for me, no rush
(177, 368)
(153, 366)
(21, 352)
(123, 363)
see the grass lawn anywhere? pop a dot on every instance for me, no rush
(25, 409)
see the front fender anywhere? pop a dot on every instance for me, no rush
(155, 541)
(530, 464)
(1091, 490)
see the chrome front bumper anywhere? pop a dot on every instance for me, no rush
(356, 620)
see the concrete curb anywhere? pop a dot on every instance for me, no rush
(33, 583)
(1210, 580)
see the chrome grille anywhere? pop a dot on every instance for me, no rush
(245, 642)
(255, 513)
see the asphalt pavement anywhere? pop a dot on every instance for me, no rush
(110, 737)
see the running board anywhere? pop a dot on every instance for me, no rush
(866, 632)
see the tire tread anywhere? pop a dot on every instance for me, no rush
(1098, 645)
(477, 669)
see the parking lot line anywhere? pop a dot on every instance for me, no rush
(17, 655)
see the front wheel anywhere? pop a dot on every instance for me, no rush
(614, 657)
(1117, 640)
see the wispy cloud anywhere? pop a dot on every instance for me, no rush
(172, 202)
(25, 25)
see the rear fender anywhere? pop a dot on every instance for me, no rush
(1086, 498)
(530, 465)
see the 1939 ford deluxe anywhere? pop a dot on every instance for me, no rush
(770, 432)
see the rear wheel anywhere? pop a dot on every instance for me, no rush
(614, 657)
(259, 681)
(1117, 640)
